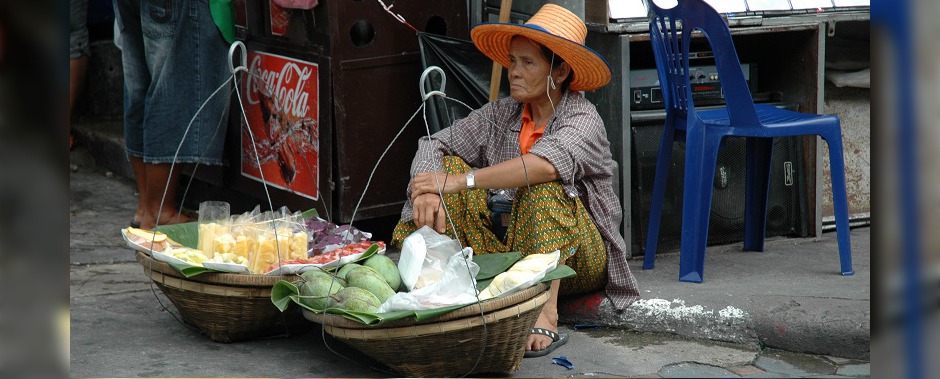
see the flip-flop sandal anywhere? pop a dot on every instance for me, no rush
(134, 223)
(557, 340)
(193, 214)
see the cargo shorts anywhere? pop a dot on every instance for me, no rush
(174, 59)
(78, 29)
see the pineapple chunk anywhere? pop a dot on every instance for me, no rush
(265, 255)
(298, 245)
(224, 243)
(191, 256)
(206, 237)
(229, 258)
(244, 246)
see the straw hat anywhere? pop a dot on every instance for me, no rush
(555, 28)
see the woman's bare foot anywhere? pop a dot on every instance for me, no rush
(548, 319)
(138, 215)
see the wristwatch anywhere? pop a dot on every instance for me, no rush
(471, 182)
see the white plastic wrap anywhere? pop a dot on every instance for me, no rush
(424, 254)
(456, 286)
(436, 271)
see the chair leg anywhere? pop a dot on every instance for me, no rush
(757, 185)
(663, 162)
(840, 200)
(700, 157)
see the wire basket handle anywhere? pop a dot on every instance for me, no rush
(424, 76)
(231, 57)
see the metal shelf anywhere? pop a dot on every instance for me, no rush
(744, 20)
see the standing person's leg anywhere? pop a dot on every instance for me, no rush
(78, 54)
(186, 58)
(140, 178)
(136, 82)
(158, 206)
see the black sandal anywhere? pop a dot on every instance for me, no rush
(557, 340)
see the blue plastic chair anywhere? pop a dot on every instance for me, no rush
(703, 132)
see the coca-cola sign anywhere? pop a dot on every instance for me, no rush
(280, 142)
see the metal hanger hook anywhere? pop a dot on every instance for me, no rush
(424, 75)
(231, 57)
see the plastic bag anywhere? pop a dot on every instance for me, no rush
(456, 286)
(261, 238)
(438, 273)
(281, 236)
(424, 254)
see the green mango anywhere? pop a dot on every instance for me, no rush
(387, 269)
(310, 275)
(359, 267)
(315, 293)
(343, 271)
(370, 280)
(356, 299)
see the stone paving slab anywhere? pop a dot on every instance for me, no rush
(694, 370)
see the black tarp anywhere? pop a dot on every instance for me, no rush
(468, 74)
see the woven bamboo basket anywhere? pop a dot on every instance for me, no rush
(227, 307)
(451, 344)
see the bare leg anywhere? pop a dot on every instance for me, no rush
(77, 68)
(140, 176)
(548, 319)
(157, 176)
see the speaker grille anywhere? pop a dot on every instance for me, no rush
(786, 202)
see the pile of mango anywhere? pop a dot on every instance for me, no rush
(355, 287)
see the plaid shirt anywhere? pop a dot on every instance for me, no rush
(575, 142)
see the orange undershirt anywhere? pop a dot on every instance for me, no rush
(529, 134)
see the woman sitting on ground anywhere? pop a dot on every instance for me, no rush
(546, 149)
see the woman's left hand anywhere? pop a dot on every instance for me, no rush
(428, 182)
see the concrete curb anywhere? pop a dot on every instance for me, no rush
(837, 327)
(810, 325)
(668, 316)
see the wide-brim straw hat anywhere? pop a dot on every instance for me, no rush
(555, 28)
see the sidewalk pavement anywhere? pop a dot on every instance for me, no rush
(789, 297)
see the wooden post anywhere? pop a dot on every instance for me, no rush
(504, 8)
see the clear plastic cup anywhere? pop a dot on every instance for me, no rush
(213, 211)
(212, 216)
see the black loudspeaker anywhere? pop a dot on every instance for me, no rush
(787, 203)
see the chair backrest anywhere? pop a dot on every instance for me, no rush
(672, 58)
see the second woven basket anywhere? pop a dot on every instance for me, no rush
(226, 307)
(451, 344)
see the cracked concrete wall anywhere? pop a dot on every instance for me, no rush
(853, 106)
(849, 51)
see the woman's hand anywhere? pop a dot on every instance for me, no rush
(429, 211)
(428, 182)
